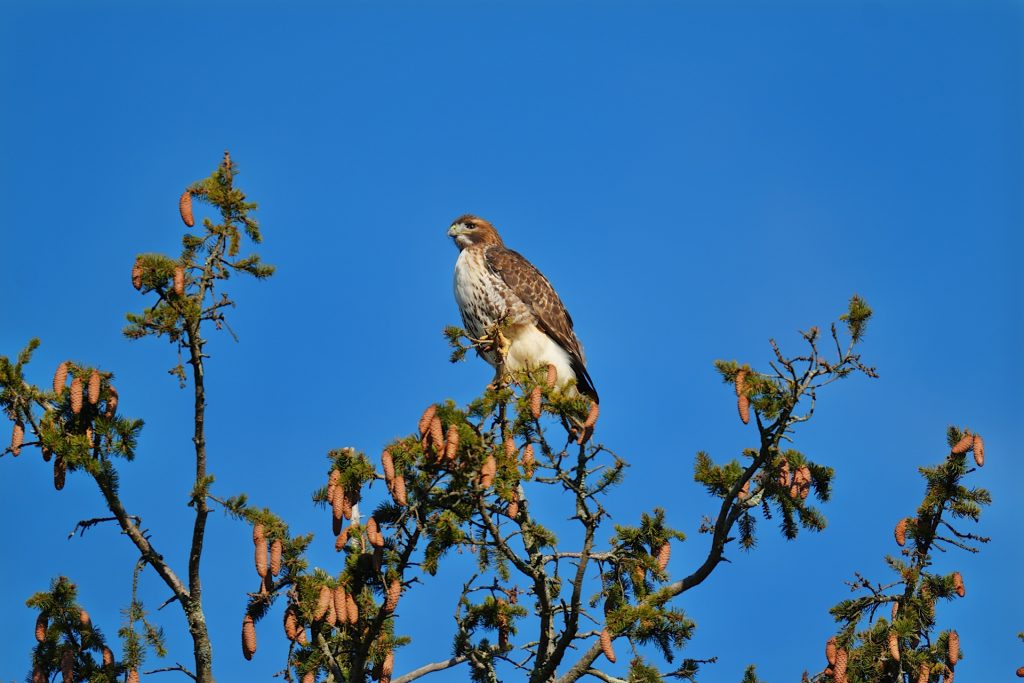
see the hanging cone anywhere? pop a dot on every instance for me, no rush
(342, 540)
(552, 376)
(331, 615)
(743, 407)
(528, 460)
(352, 608)
(740, 381)
(953, 648)
(394, 592)
(398, 491)
(784, 473)
(47, 453)
(338, 510)
(323, 601)
(76, 395)
(437, 435)
(291, 624)
(388, 465)
(300, 636)
(979, 450)
(513, 505)
(664, 553)
(487, 472)
(428, 416)
(901, 532)
(894, 647)
(895, 609)
(334, 478)
(451, 444)
(133, 676)
(839, 668)
(340, 603)
(59, 472)
(137, 273)
(111, 402)
(923, 672)
(510, 447)
(309, 677)
(373, 533)
(94, 387)
(60, 378)
(17, 438)
(830, 651)
(388, 667)
(275, 556)
(108, 656)
(179, 280)
(535, 397)
(40, 628)
(958, 584)
(606, 646)
(248, 637)
(185, 208)
(964, 444)
(591, 417)
(84, 620)
(260, 555)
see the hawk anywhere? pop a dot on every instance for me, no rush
(503, 295)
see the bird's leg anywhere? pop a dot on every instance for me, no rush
(500, 344)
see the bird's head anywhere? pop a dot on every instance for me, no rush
(469, 230)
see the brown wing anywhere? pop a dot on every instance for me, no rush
(530, 285)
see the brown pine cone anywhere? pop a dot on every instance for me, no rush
(179, 280)
(60, 471)
(309, 676)
(740, 382)
(276, 547)
(535, 397)
(40, 628)
(46, 453)
(338, 509)
(428, 416)
(373, 533)
(84, 620)
(185, 208)
(17, 438)
(67, 666)
(664, 553)
(979, 450)
(437, 435)
(901, 532)
(743, 406)
(323, 601)
(513, 505)
(591, 416)
(510, 447)
(342, 540)
(108, 656)
(388, 667)
(111, 402)
(334, 478)
(964, 444)
(895, 610)
(958, 584)
(394, 592)
(137, 273)
(352, 608)
(923, 672)
(94, 387)
(340, 601)
(388, 465)
(291, 624)
(830, 651)
(60, 378)
(784, 473)
(842, 659)
(260, 546)
(248, 637)
(552, 375)
(76, 395)
(300, 636)
(606, 646)
(528, 460)
(398, 491)
(953, 648)
(487, 472)
(894, 647)
(451, 444)
(133, 676)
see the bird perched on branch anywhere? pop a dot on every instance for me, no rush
(510, 309)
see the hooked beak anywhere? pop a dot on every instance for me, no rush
(456, 230)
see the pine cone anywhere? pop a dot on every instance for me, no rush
(260, 546)
(513, 505)
(17, 438)
(276, 548)
(664, 553)
(40, 628)
(510, 447)
(373, 533)
(291, 624)
(388, 466)
(248, 637)
(342, 540)
(979, 450)
(784, 473)
(394, 592)
(535, 397)
(309, 676)
(185, 208)
(451, 444)
(84, 620)
(842, 659)
(111, 402)
(38, 676)
(743, 406)
(894, 647)
(46, 453)
(137, 273)
(388, 667)
(67, 666)
(958, 584)
(428, 416)
(352, 608)
(528, 460)
(437, 435)
(179, 280)
(895, 610)
(323, 601)
(133, 676)
(300, 636)
(60, 378)
(964, 444)
(830, 651)
(338, 510)
(606, 646)
(340, 605)
(487, 472)
(923, 672)
(94, 387)
(76, 395)
(334, 478)
(108, 656)
(740, 382)
(59, 472)
(552, 376)
(953, 648)
(398, 491)
(901, 532)
(591, 416)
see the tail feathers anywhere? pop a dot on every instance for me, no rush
(584, 384)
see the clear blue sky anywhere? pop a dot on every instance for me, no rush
(694, 177)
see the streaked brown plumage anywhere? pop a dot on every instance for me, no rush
(494, 284)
